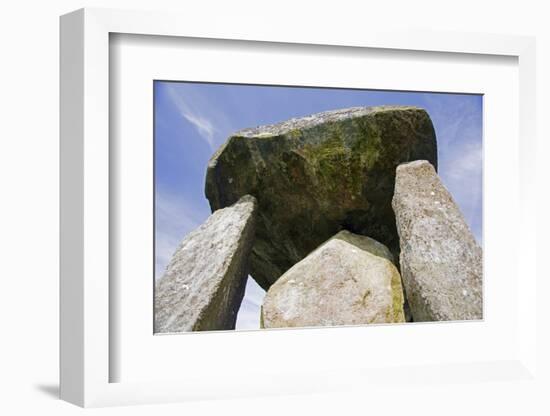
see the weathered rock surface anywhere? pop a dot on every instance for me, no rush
(204, 283)
(349, 280)
(317, 175)
(441, 263)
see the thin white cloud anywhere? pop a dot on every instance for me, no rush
(466, 162)
(462, 175)
(204, 126)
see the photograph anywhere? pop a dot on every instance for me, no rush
(295, 207)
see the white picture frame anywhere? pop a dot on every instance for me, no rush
(86, 304)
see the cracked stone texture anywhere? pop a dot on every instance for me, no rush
(441, 262)
(316, 175)
(203, 286)
(349, 280)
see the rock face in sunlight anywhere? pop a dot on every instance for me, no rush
(317, 175)
(349, 280)
(441, 263)
(204, 283)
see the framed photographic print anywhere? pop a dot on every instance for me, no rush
(282, 213)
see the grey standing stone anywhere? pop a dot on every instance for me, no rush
(349, 280)
(316, 175)
(203, 286)
(441, 263)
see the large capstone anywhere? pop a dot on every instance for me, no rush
(441, 263)
(203, 286)
(349, 280)
(317, 175)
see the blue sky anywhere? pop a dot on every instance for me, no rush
(193, 119)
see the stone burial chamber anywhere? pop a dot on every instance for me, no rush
(340, 216)
(317, 175)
